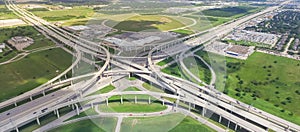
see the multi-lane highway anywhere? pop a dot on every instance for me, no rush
(207, 98)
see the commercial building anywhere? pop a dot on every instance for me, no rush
(20, 42)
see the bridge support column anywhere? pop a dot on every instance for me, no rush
(16, 104)
(236, 126)
(128, 75)
(228, 123)
(163, 102)
(106, 99)
(135, 99)
(77, 109)
(71, 83)
(38, 121)
(54, 111)
(92, 105)
(121, 99)
(30, 98)
(44, 93)
(220, 118)
(65, 76)
(72, 106)
(203, 111)
(149, 100)
(17, 130)
(57, 113)
(189, 106)
(176, 103)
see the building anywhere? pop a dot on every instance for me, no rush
(2, 46)
(239, 51)
(20, 42)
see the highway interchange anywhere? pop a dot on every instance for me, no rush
(210, 99)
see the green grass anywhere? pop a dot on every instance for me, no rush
(183, 32)
(165, 61)
(229, 11)
(6, 14)
(152, 88)
(129, 105)
(39, 39)
(104, 90)
(66, 14)
(148, 22)
(172, 122)
(32, 71)
(132, 89)
(267, 82)
(87, 112)
(94, 125)
(198, 68)
(132, 78)
(188, 123)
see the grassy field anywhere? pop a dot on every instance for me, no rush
(32, 71)
(207, 22)
(104, 90)
(265, 81)
(94, 125)
(183, 32)
(230, 11)
(7, 33)
(268, 82)
(129, 105)
(172, 122)
(165, 61)
(66, 14)
(87, 112)
(6, 14)
(148, 22)
(198, 68)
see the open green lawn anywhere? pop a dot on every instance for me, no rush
(268, 82)
(129, 105)
(95, 125)
(148, 22)
(230, 11)
(165, 61)
(88, 112)
(7, 33)
(32, 71)
(172, 122)
(104, 90)
(66, 14)
(183, 32)
(198, 68)
(6, 14)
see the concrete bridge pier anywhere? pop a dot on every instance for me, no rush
(228, 123)
(44, 94)
(92, 105)
(135, 99)
(189, 106)
(77, 109)
(236, 126)
(163, 102)
(121, 99)
(220, 118)
(38, 120)
(57, 113)
(16, 103)
(149, 100)
(203, 111)
(106, 99)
